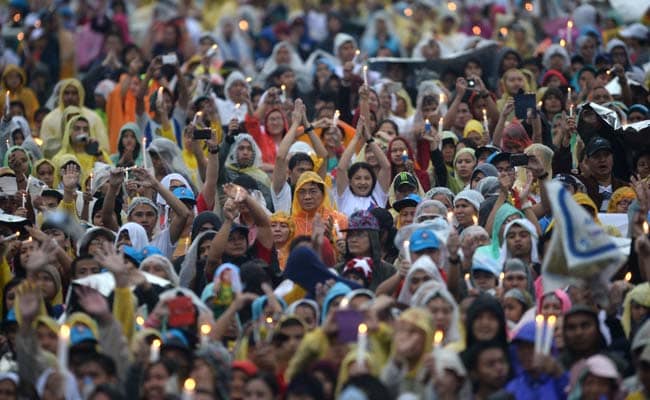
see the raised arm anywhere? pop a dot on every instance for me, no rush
(450, 117)
(261, 219)
(319, 147)
(498, 130)
(115, 181)
(218, 244)
(342, 181)
(281, 163)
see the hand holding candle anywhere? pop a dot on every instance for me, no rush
(427, 126)
(437, 339)
(63, 344)
(468, 282)
(335, 119)
(362, 343)
(154, 351)
(407, 251)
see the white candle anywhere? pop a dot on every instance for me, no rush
(441, 100)
(283, 96)
(62, 351)
(145, 164)
(7, 103)
(91, 182)
(196, 117)
(205, 334)
(335, 119)
(188, 389)
(571, 111)
(569, 28)
(475, 219)
(154, 351)
(237, 106)
(357, 52)
(159, 97)
(485, 121)
(501, 276)
(468, 282)
(437, 339)
(365, 75)
(646, 229)
(427, 126)
(450, 218)
(337, 229)
(539, 331)
(407, 251)
(362, 343)
(24, 199)
(441, 125)
(628, 277)
(11, 237)
(548, 334)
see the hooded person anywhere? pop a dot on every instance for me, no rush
(18, 133)
(77, 140)
(638, 298)
(285, 55)
(556, 303)
(508, 252)
(434, 296)
(14, 82)
(620, 55)
(504, 214)
(233, 106)
(192, 272)
(166, 158)
(268, 135)
(284, 230)
(71, 93)
(463, 165)
(91, 236)
(483, 307)
(131, 234)
(603, 377)
(423, 270)
(160, 266)
(129, 147)
(527, 383)
(516, 274)
(205, 221)
(413, 341)
(583, 336)
(467, 203)
(480, 172)
(311, 197)
(221, 291)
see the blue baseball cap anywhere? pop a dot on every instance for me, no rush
(175, 338)
(81, 333)
(184, 194)
(424, 239)
(132, 254)
(412, 200)
(150, 251)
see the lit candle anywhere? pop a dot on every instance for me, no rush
(407, 251)
(357, 52)
(11, 237)
(24, 199)
(188, 389)
(441, 125)
(154, 351)
(571, 111)
(335, 118)
(475, 219)
(205, 334)
(437, 339)
(62, 350)
(187, 244)
(569, 93)
(562, 42)
(362, 343)
(427, 126)
(337, 229)
(344, 303)
(485, 121)
(441, 99)
(283, 95)
(405, 156)
(569, 29)
(196, 117)
(468, 282)
(646, 229)
(365, 75)
(91, 182)
(504, 32)
(539, 331)
(145, 163)
(539, 105)
(628, 277)
(450, 218)
(139, 320)
(548, 334)
(237, 106)
(501, 276)
(159, 97)
(7, 103)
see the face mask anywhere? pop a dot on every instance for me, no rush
(81, 138)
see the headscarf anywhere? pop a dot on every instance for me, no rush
(426, 264)
(565, 301)
(640, 294)
(430, 290)
(502, 214)
(421, 318)
(86, 161)
(304, 302)
(457, 185)
(13, 149)
(283, 250)
(205, 217)
(339, 289)
(622, 193)
(166, 182)
(167, 266)
(304, 219)
(517, 265)
(59, 162)
(171, 156)
(472, 125)
(257, 308)
(42, 161)
(137, 157)
(583, 199)
(137, 235)
(472, 197)
(253, 170)
(527, 225)
(235, 281)
(188, 267)
(482, 304)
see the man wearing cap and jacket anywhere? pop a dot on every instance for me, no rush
(599, 181)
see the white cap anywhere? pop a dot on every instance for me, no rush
(635, 31)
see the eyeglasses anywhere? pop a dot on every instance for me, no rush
(310, 192)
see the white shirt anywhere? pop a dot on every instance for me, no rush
(162, 241)
(282, 200)
(349, 202)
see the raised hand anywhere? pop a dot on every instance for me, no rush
(93, 303)
(237, 193)
(29, 302)
(297, 113)
(116, 178)
(70, 177)
(113, 261)
(230, 210)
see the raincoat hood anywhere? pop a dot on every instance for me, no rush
(77, 84)
(13, 68)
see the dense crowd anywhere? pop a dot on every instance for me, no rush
(315, 200)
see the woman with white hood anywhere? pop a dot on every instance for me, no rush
(233, 44)
(435, 297)
(424, 270)
(520, 241)
(17, 133)
(235, 92)
(285, 55)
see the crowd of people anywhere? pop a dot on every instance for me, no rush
(314, 200)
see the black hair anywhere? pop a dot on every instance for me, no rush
(82, 257)
(105, 362)
(108, 390)
(358, 166)
(295, 242)
(120, 146)
(429, 99)
(298, 158)
(485, 303)
(304, 384)
(389, 121)
(269, 380)
(387, 226)
(471, 355)
(642, 153)
(371, 386)
(10, 285)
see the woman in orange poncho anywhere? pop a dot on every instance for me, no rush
(284, 230)
(311, 197)
(15, 82)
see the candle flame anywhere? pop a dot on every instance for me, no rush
(156, 343)
(539, 319)
(363, 328)
(529, 7)
(64, 332)
(475, 219)
(38, 141)
(189, 385)
(438, 336)
(628, 277)
(283, 87)
(205, 329)
(426, 121)
(243, 25)
(269, 320)
(237, 106)
(357, 52)
(504, 31)
(569, 24)
(407, 245)
(344, 303)
(501, 276)
(17, 233)
(408, 12)
(646, 230)
(562, 42)
(139, 320)
(249, 79)
(467, 276)
(441, 98)
(476, 30)
(29, 239)
(451, 6)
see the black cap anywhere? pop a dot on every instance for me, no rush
(405, 178)
(596, 144)
(495, 158)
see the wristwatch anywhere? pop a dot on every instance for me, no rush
(371, 140)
